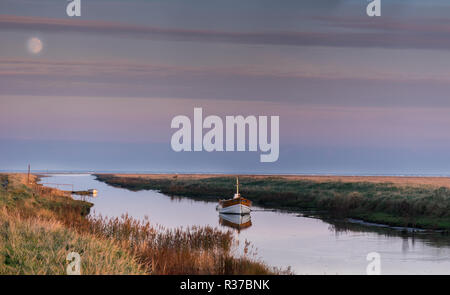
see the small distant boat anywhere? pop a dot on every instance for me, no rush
(237, 205)
(93, 192)
(90, 192)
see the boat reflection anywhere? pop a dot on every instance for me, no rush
(236, 221)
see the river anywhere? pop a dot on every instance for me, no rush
(281, 239)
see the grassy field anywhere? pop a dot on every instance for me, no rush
(413, 202)
(39, 226)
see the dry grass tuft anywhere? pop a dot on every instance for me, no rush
(39, 246)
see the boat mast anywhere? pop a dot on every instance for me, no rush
(237, 185)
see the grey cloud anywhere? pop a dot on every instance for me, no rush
(405, 35)
(124, 80)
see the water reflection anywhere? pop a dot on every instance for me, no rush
(235, 221)
(432, 238)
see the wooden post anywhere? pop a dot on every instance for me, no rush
(28, 173)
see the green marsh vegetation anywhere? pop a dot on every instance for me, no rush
(387, 203)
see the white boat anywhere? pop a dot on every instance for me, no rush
(237, 205)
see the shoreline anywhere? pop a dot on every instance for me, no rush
(436, 181)
(402, 180)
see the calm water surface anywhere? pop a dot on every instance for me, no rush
(308, 245)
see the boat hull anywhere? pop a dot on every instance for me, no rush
(235, 209)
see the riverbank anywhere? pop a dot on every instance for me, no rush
(421, 202)
(39, 226)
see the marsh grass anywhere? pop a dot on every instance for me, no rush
(40, 246)
(192, 250)
(40, 226)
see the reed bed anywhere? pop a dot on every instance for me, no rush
(39, 246)
(191, 250)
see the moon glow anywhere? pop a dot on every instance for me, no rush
(34, 45)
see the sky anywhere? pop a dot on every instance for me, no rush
(355, 94)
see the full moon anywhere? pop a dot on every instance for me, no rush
(34, 45)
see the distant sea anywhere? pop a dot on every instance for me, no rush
(38, 171)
